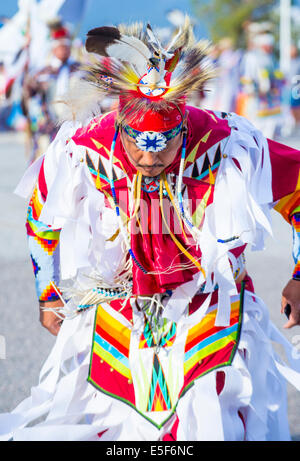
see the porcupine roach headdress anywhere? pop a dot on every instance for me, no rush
(149, 80)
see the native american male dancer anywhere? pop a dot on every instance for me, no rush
(137, 227)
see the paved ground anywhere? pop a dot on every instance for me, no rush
(28, 344)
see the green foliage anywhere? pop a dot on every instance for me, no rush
(226, 18)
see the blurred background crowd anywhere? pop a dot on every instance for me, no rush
(255, 48)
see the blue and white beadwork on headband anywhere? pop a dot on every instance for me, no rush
(152, 141)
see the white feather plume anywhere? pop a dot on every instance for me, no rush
(155, 43)
(132, 50)
(81, 102)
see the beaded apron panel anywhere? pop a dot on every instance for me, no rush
(148, 366)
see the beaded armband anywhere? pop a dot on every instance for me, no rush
(43, 245)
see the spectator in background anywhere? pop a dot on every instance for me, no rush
(261, 86)
(223, 90)
(4, 109)
(45, 87)
(294, 83)
(228, 75)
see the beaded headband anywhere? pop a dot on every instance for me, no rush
(152, 141)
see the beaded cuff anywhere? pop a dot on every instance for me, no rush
(295, 221)
(45, 261)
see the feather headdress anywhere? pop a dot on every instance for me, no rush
(129, 62)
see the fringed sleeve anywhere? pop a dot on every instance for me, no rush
(43, 230)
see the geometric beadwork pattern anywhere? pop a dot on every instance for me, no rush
(296, 272)
(166, 338)
(295, 221)
(35, 202)
(99, 174)
(36, 267)
(159, 398)
(147, 339)
(43, 244)
(45, 260)
(206, 167)
(49, 294)
(48, 245)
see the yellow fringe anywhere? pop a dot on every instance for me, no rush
(178, 244)
(164, 178)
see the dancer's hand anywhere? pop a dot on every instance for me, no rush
(48, 319)
(291, 296)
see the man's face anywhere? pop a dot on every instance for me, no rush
(151, 163)
(267, 49)
(62, 52)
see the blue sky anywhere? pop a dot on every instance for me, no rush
(103, 12)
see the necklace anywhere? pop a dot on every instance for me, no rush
(117, 208)
(150, 184)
